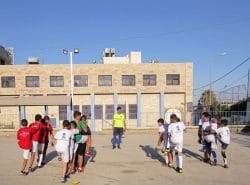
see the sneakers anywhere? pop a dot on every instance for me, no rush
(225, 166)
(64, 180)
(180, 170)
(59, 158)
(31, 169)
(89, 154)
(170, 165)
(119, 147)
(113, 147)
(23, 173)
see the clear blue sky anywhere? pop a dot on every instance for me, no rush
(176, 31)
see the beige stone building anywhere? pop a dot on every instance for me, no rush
(145, 91)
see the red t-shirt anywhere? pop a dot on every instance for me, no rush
(35, 129)
(43, 133)
(24, 138)
(49, 131)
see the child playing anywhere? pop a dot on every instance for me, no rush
(175, 133)
(24, 142)
(87, 132)
(62, 146)
(41, 141)
(163, 136)
(223, 134)
(73, 146)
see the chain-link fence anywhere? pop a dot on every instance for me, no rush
(233, 117)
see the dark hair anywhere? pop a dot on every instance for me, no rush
(206, 114)
(24, 122)
(66, 123)
(46, 118)
(84, 117)
(73, 123)
(160, 120)
(224, 122)
(173, 116)
(77, 113)
(38, 117)
(43, 121)
(118, 108)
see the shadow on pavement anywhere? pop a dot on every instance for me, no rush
(50, 156)
(189, 153)
(153, 153)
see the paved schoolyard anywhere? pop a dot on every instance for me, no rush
(136, 163)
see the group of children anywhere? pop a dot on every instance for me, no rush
(171, 135)
(71, 143)
(212, 129)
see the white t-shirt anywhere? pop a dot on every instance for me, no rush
(206, 127)
(63, 138)
(176, 132)
(224, 134)
(200, 122)
(214, 126)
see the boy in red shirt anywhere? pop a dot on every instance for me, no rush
(41, 141)
(35, 129)
(47, 139)
(24, 142)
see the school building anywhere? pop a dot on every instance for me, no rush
(145, 91)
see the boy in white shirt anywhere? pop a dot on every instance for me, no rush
(175, 132)
(223, 134)
(205, 137)
(62, 146)
(163, 136)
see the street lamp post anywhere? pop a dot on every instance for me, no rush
(70, 53)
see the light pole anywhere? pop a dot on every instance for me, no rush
(70, 53)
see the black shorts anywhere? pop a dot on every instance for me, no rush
(81, 149)
(118, 131)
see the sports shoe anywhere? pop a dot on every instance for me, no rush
(31, 169)
(63, 180)
(119, 147)
(180, 170)
(225, 166)
(89, 154)
(59, 158)
(113, 147)
(23, 173)
(170, 165)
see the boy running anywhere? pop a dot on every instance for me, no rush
(35, 129)
(175, 132)
(24, 142)
(62, 146)
(73, 146)
(223, 134)
(41, 141)
(163, 136)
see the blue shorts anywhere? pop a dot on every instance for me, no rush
(224, 146)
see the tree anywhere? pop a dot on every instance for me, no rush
(205, 99)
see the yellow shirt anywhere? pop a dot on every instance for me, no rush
(119, 120)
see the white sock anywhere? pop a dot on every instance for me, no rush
(177, 161)
(166, 158)
(180, 161)
(225, 161)
(40, 159)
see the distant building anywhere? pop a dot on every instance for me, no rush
(145, 91)
(5, 56)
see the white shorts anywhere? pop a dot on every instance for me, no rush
(34, 146)
(26, 154)
(65, 156)
(176, 147)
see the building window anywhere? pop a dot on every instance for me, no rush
(98, 111)
(132, 111)
(128, 80)
(8, 81)
(86, 110)
(105, 80)
(109, 110)
(62, 112)
(149, 80)
(81, 80)
(173, 79)
(56, 81)
(32, 81)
